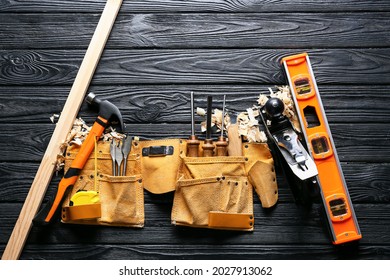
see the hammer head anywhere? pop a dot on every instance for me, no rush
(107, 110)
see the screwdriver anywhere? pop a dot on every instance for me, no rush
(192, 142)
(208, 146)
(221, 144)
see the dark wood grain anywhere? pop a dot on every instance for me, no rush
(354, 143)
(334, 66)
(160, 51)
(170, 103)
(202, 252)
(199, 30)
(221, 6)
(293, 225)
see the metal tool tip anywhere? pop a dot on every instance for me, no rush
(90, 97)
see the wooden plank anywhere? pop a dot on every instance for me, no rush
(319, 30)
(354, 143)
(367, 183)
(221, 6)
(46, 168)
(343, 104)
(228, 66)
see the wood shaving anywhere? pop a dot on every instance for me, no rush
(248, 126)
(54, 117)
(200, 111)
(77, 135)
(216, 119)
(262, 100)
(284, 94)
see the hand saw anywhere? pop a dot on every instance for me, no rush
(340, 214)
(76, 96)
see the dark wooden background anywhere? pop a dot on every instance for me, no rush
(160, 51)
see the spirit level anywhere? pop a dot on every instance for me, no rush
(335, 197)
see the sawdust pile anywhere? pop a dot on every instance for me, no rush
(216, 119)
(248, 126)
(247, 122)
(77, 135)
(284, 94)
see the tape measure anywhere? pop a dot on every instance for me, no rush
(84, 197)
(335, 197)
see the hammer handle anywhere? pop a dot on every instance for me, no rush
(77, 165)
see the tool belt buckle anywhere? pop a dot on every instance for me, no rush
(157, 151)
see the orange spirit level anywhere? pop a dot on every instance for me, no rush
(337, 203)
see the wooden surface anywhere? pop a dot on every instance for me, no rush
(64, 125)
(160, 51)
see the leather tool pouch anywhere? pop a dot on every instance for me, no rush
(119, 199)
(160, 163)
(211, 192)
(259, 166)
(216, 192)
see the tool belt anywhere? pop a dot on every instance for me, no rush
(119, 199)
(217, 192)
(212, 192)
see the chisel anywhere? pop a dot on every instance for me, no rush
(192, 142)
(208, 146)
(221, 144)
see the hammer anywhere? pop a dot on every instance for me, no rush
(108, 112)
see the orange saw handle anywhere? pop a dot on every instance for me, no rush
(77, 165)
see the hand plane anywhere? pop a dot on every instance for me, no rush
(299, 168)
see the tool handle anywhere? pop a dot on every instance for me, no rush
(77, 165)
(235, 142)
(221, 146)
(193, 146)
(208, 148)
